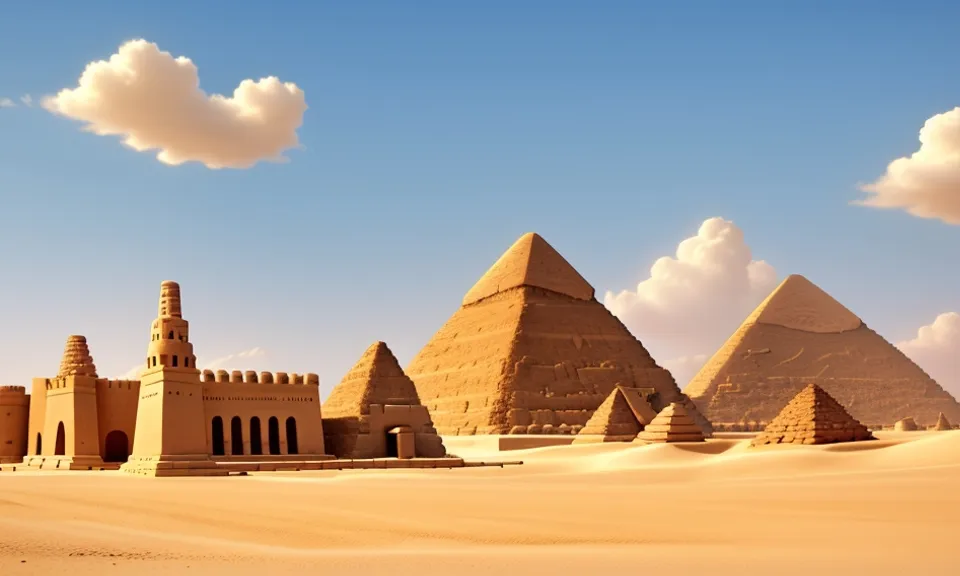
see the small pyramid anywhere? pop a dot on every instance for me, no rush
(672, 424)
(942, 423)
(907, 424)
(531, 261)
(619, 419)
(76, 359)
(373, 398)
(812, 417)
(800, 335)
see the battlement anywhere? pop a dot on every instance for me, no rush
(120, 384)
(13, 390)
(252, 377)
(71, 381)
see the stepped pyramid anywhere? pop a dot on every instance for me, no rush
(672, 424)
(799, 335)
(531, 346)
(619, 419)
(942, 423)
(373, 398)
(76, 359)
(812, 417)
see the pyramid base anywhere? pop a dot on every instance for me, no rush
(809, 440)
(185, 465)
(598, 438)
(661, 438)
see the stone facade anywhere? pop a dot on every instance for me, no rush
(532, 351)
(799, 335)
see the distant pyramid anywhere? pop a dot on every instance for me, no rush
(619, 419)
(942, 423)
(672, 424)
(374, 398)
(799, 335)
(907, 424)
(812, 417)
(530, 345)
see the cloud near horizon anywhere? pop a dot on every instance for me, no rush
(154, 102)
(927, 183)
(693, 302)
(936, 349)
(252, 359)
(7, 103)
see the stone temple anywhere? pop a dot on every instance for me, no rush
(532, 351)
(798, 336)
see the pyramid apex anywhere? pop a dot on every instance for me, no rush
(379, 359)
(799, 304)
(531, 261)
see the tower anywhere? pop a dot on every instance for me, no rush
(170, 435)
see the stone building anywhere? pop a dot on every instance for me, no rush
(175, 420)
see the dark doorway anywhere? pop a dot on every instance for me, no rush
(256, 447)
(61, 447)
(292, 447)
(236, 436)
(217, 436)
(392, 446)
(117, 447)
(273, 434)
(39, 443)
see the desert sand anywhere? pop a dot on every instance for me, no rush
(888, 506)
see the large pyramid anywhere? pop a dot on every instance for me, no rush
(801, 335)
(373, 398)
(812, 417)
(530, 345)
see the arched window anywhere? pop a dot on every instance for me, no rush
(236, 436)
(273, 433)
(186, 361)
(39, 443)
(170, 335)
(117, 447)
(61, 448)
(256, 446)
(292, 447)
(175, 360)
(216, 435)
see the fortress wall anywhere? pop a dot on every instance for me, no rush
(38, 407)
(14, 415)
(72, 401)
(117, 402)
(265, 395)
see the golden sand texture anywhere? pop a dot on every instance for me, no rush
(672, 424)
(532, 359)
(789, 512)
(812, 417)
(764, 364)
(374, 397)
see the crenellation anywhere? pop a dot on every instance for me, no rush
(236, 377)
(281, 378)
(266, 378)
(208, 376)
(223, 376)
(250, 377)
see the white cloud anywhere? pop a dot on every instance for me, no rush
(693, 302)
(27, 100)
(936, 349)
(927, 183)
(154, 102)
(252, 359)
(7, 103)
(685, 368)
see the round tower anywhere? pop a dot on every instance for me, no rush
(77, 360)
(14, 410)
(170, 346)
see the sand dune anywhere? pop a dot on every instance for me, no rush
(883, 507)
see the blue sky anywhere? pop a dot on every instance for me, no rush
(437, 133)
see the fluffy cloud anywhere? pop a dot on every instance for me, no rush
(691, 303)
(154, 102)
(937, 350)
(247, 360)
(927, 183)
(6, 103)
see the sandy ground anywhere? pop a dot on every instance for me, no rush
(890, 506)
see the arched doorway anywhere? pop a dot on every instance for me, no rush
(117, 447)
(273, 434)
(236, 436)
(256, 445)
(216, 436)
(292, 447)
(39, 443)
(61, 447)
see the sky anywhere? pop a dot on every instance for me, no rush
(321, 175)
